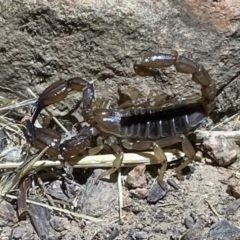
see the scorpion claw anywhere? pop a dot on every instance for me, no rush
(42, 137)
(77, 144)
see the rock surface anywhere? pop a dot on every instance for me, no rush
(44, 41)
(100, 41)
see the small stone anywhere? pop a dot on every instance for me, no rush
(223, 150)
(157, 192)
(188, 222)
(173, 184)
(17, 232)
(159, 216)
(98, 199)
(209, 161)
(7, 214)
(234, 188)
(59, 224)
(139, 192)
(194, 233)
(198, 156)
(139, 226)
(23, 231)
(224, 230)
(135, 234)
(233, 207)
(209, 184)
(236, 165)
(55, 189)
(136, 178)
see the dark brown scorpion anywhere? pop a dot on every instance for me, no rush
(137, 128)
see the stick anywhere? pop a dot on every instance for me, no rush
(234, 135)
(130, 159)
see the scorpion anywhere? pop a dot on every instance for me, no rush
(131, 128)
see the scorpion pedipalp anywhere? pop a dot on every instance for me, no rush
(42, 137)
(59, 90)
(45, 137)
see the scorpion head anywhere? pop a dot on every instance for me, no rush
(107, 120)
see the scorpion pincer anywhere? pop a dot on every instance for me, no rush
(134, 128)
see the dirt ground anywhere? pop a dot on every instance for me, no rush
(195, 210)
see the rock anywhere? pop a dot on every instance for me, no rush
(136, 178)
(136, 234)
(63, 190)
(224, 151)
(7, 214)
(59, 224)
(139, 192)
(223, 230)
(23, 231)
(193, 234)
(157, 192)
(40, 217)
(234, 188)
(99, 198)
(47, 41)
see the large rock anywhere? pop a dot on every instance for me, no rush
(44, 41)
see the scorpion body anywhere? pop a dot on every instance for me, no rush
(132, 128)
(152, 124)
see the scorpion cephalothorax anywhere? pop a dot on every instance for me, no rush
(140, 128)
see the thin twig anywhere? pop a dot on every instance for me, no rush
(212, 209)
(225, 121)
(49, 198)
(18, 105)
(120, 196)
(78, 215)
(234, 135)
(130, 159)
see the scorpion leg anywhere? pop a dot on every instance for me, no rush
(158, 152)
(186, 147)
(98, 148)
(161, 157)
(117, 163)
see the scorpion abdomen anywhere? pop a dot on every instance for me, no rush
(157, 123)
